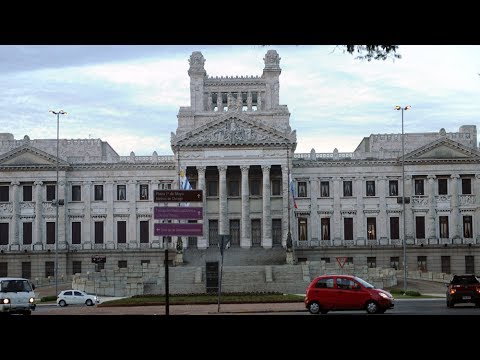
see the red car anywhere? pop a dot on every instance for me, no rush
(345, 292)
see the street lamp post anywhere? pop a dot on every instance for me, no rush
(403, 203)
(58, 113)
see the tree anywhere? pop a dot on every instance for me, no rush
(373, 52)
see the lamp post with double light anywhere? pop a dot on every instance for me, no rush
(408, 107)
(57, 202)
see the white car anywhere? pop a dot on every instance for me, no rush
(71, 297)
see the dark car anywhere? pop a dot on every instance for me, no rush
(463, 289)
(345, 292)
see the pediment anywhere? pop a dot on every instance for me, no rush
(29, 156)
(234, 130)
(443, 149)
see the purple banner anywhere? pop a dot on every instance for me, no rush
(170, 212)
(178, 229)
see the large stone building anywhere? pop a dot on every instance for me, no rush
(235, 143)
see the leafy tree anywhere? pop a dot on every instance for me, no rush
(373, 52)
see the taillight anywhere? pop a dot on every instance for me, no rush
(478, 289)
(453, 291)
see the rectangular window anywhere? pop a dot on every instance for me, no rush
(143, 191)
(370, 188)
(302, 189)
(49, 269)
(98, 232)
(442, 186)
(349, 260)
(445, 264)
(76, 193)
(76, 267)
(422, 263)
(144, 238)
(167, 186)
(277, 232)
(302, 229)
(193, 184)
(255, 187)
(26, 270)
(122, 264)
(469, 264)
(233, 188)
(371, 261)
(394, 228)
(98, 193)
(121, 192)
(235, 232)
(466, 186)
(325, 228)
(324, 189)
(3, 233)
(420, 227)
(192, 240)
(419, 187)
(256, 232)
(213, 232)
(394, 262)
(443, 222)
(51, 192)
(393, 188)
(4, 196)
(3, 269)
(347, 188)
(276, 187)
(326, 259)
(348, 228)
(144, 262)
(467, 227)
(50, 228)
(121, 232)
(371, 228)
(27, 233)
(27, 192)
(76, 232)
(212, 188)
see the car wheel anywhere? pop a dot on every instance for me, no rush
(314, 307)
(372, 307)
(450, 304)
(62, 303)
(89, 302)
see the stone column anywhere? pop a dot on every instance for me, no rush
(62, 214)
(287, 198)
(267, 215)
(219, 102)
(132, 217)
(409, 212)
(202, 242)
(336, 220)
(476, 220)
(383, 220)
(37, 230)
(359, 191)
(87, 241)
(314, 216)
(209, 102)
(259, 100)
(249, 101)
(245, 239)
(14, 233)
(430, 224)
(456, 234)
(222, 211)
(109, 231)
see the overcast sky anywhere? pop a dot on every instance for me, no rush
(129, 96)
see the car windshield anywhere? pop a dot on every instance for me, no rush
(15, 286)
(364, 283)
(464, 280)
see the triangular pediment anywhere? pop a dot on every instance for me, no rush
(443, 149)
(28, 155)
(234, 130)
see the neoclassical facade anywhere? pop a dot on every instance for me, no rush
(235, 143)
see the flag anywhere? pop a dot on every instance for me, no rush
(184, 185)
(292, 190)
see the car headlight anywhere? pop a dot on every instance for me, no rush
(385, 296)
(6, 301)
(31, 300)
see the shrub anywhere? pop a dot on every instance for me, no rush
(412, 293)
(48, 298)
